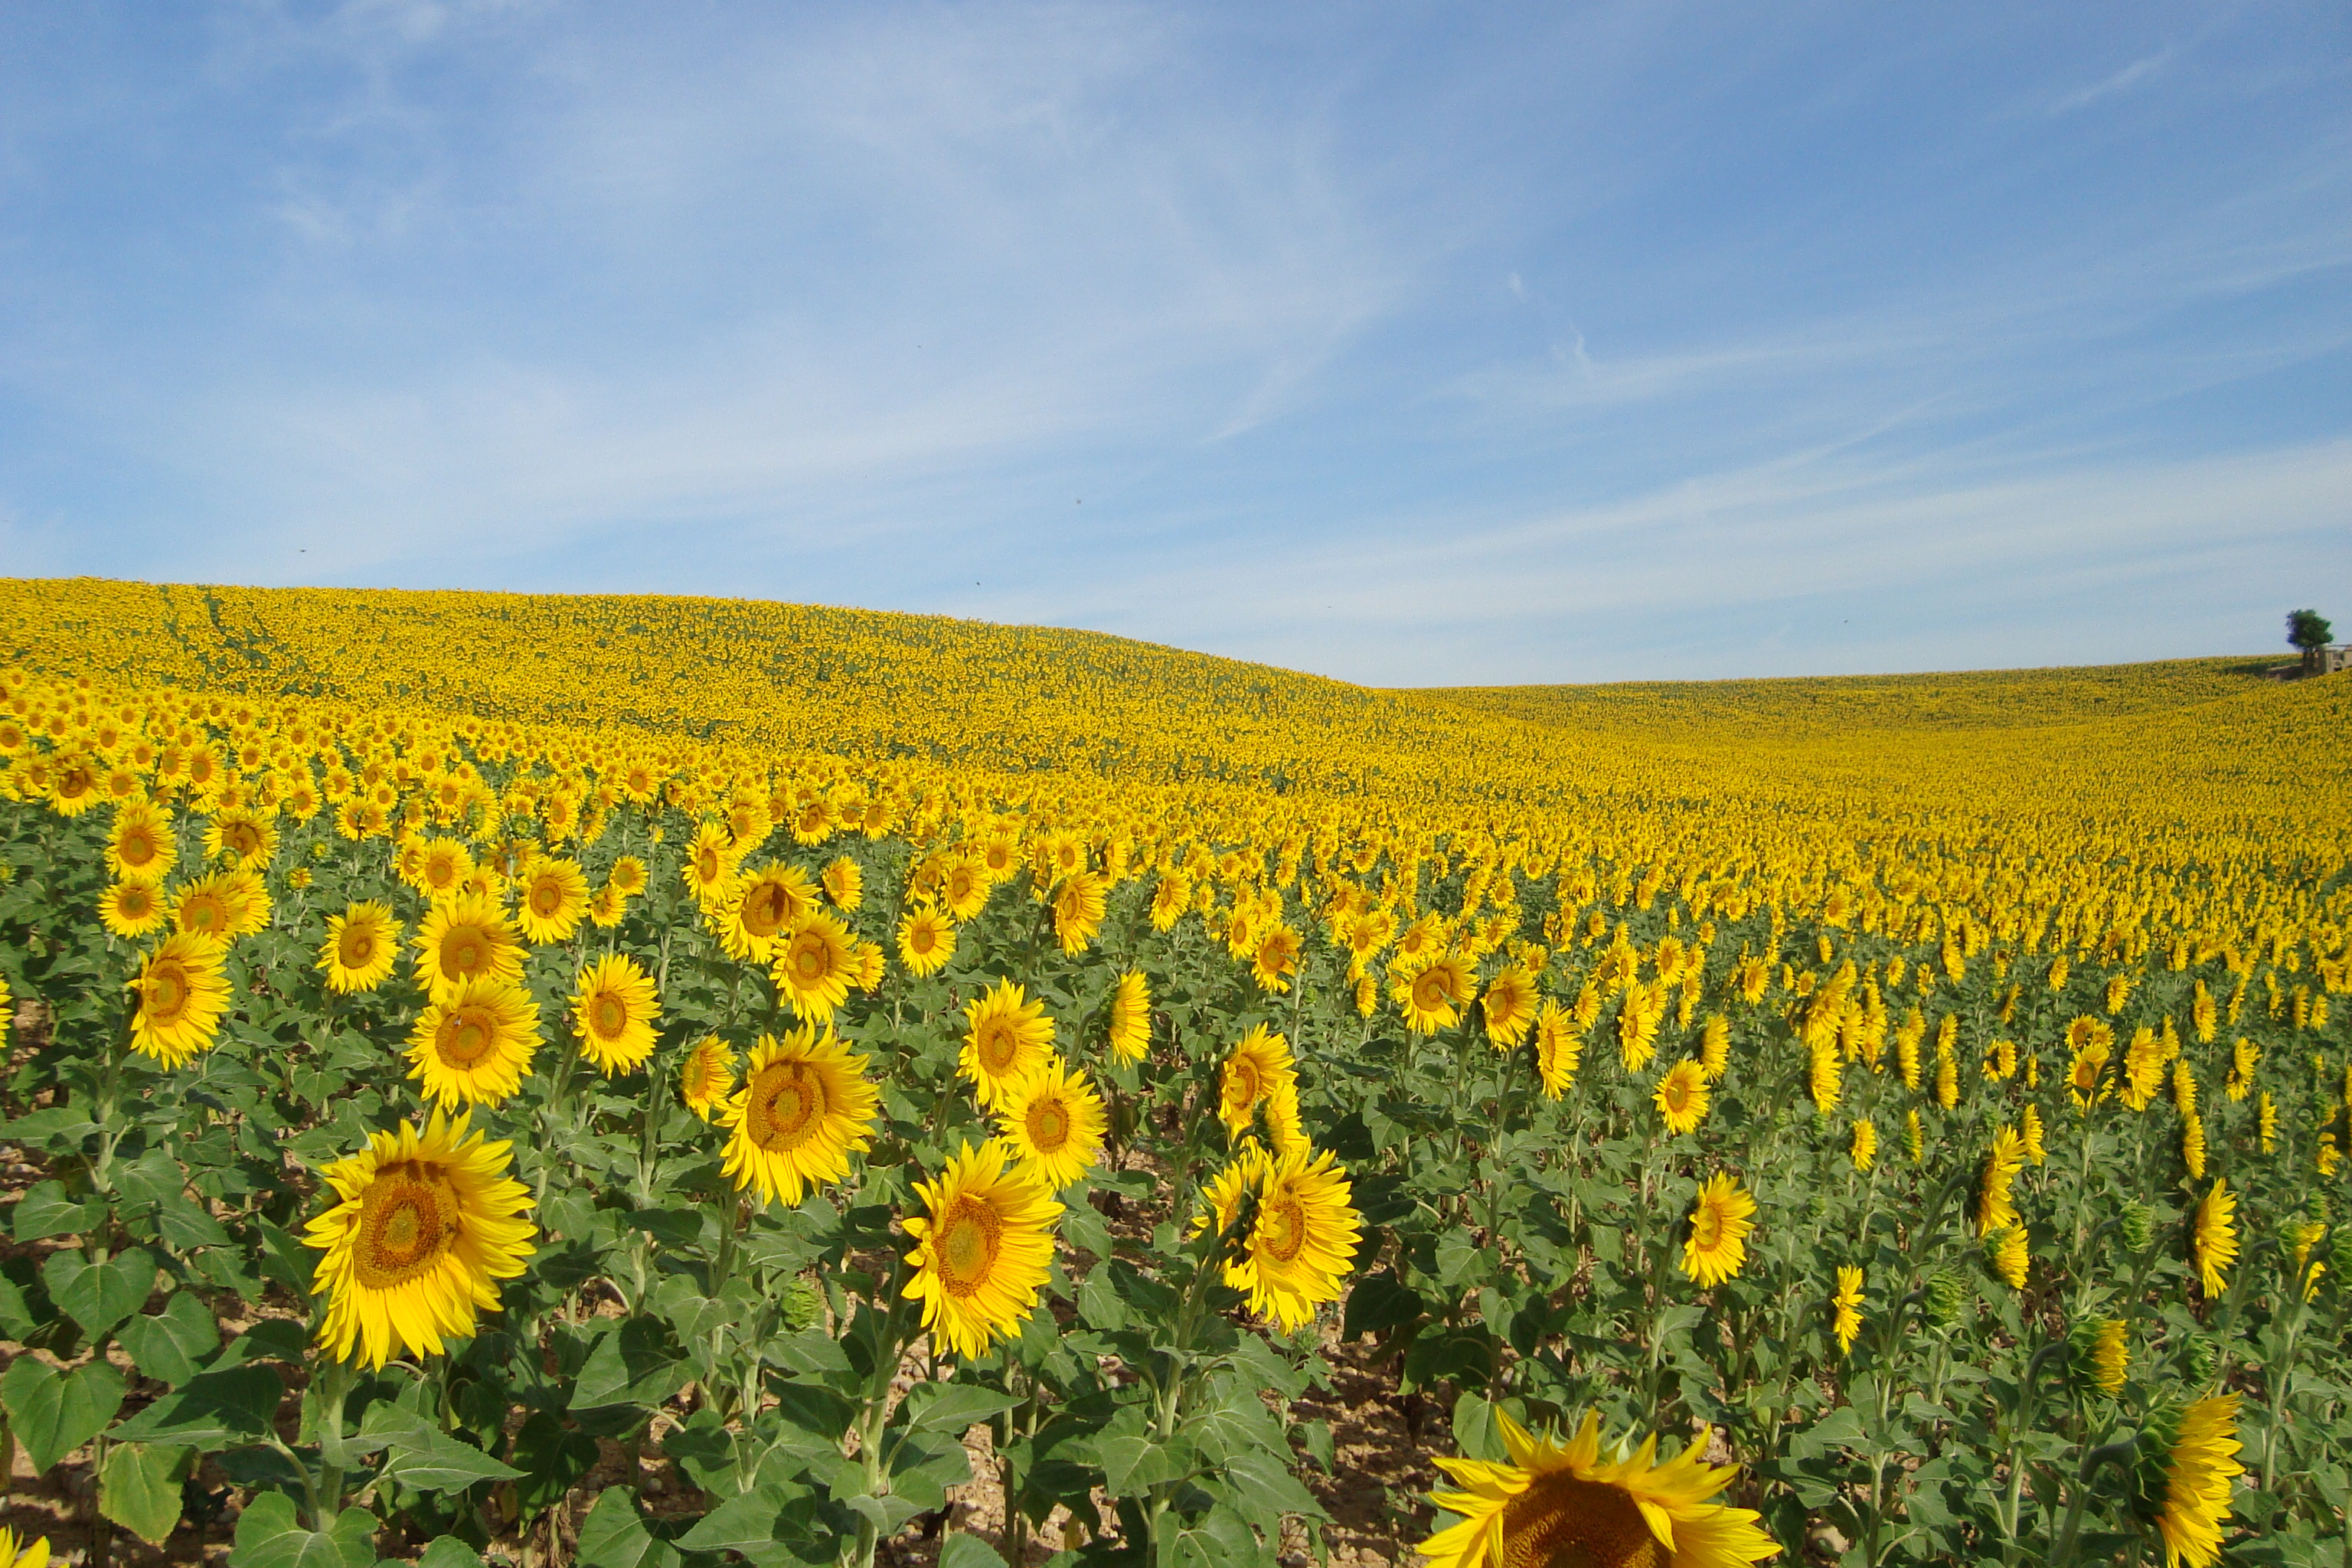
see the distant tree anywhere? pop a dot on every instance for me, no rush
(2307, 632)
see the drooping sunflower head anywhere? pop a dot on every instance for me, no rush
(2188, 1469)
(1553, 1503)
(1054, 1119)
(1130, 1017)
(926, 939)
(475, 1047)
(463, 938)
(1717, 1248)
(360, 945)
(554, 901)
(805, 1105)
(614, 1010)
(181, 995)
(1682, 1097)
(707, 1077)
(1005, 1040)
(814, 965)
(428, 1223)
(982, 1247)
(2213, 1238)
(1259, 1070)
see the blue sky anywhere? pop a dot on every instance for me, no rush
(1412, 345)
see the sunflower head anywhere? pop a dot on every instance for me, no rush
(814, 965)
(707, 1077)
(1259, 1071)
(1007, 1038)
(982, 1247)
(614, 1011)
(804, 1107)
(181, 995)
(361, 944)
(1130, 1017)
(1682, 1097)
(1717, 1248)
(2187, 1468)
(1054, 1119)
(475, 1047)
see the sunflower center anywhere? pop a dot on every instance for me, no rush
(968, 1243)
(921, 940)
(1049, 1126)
(439, 874)
(408, 1218)
(467, 1036)
(138, 849)
(243, 837)
(545, 899)
(763, 910)
(206, 914)
(787, 1105)
(463, 953)
(135, 902)
(1282, 1228)
(356, 947)
(1429, 991)
(809, 960)
(1560, 1521)
(608, 1015)
(706, 864)
(1678, 1095)
(167, 993)
(1247, 1081)
(997, 1046)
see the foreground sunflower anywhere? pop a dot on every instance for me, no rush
(361, 944)
(2200, 1459)
(815, 964)
(1054, 1119)
(614, 1012)
(1562, 1503)
(429, 1220)
(2213, 1238)
(554, 901)
(1131, 1017)
(476, 1048)
(1682, 1097)
(131, 910)
(1510, 1007)
(19, 1552)
(1007, 1039)
(1302, 1240)
(707, 1077)
(804, 1106)
(1259, 1070)
(181, 995)
(925, 941)
(465, 937)
(1719, 1224)
(140, 844)
(982, 1249)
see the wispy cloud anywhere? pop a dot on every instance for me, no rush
(2129, 77)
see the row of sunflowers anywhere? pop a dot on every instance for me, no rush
(435, 1118)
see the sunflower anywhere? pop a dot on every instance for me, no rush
(2213, 1239)
(2006, 1250)
(2110, 1354)
(614, 1010)
(1559, 1503)
(442, 867)
(208, 907)
(429, 1219)
(627, 877)
(804, 1106)
(554, 901)
(1131, 1017)
(475, 1049)
(463, 938)
(965, 888)
(1054, 1119)
(130, 908)
(181, 995)
(1431, 994)
(1510, 1007)
(760, 912)
(1078, 909)
(2200, 1466)
(361, 944)
(925, 941)
(1259, 1069)
(18, 1552)
(140, 843)
(1846, 1308)
(607, 906)
(707, 1077)
(1007, 1039)
(1301, 1240)
(983, 1248)
(1720, 1225)
(844, 883)
(2002, 1161)
(1275, 960)
(814, 966)
(1170, 896)
(709, 868)
(1682, 1097)
(241, 837)
(1560, 1047)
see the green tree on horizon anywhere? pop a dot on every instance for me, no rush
(2307, 631)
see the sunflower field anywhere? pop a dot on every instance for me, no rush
(656, 1083)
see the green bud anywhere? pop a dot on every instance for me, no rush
(2203, 1355)
(2339, 1256)
(1949, 1295)
(2137, 1224)
(804, 1308)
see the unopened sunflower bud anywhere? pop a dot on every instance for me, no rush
(2202, 1354)
(2137, 1223)
(1948, 1296)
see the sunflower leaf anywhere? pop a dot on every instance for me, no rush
(102, 1294)
(169, 1345)
(53, 1412)
(269, 1535)
(139, 1488)
(46, 1211)
(212, 1410)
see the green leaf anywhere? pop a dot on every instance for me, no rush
(964, 1550)
(448, 1552)
(140, 1488)
(1380, 1301)
(551, 1460)
(46, 1211)
(635, 1362)
(272, 1339)
(53, 1412)
(169, 1345)
(614, 1536)
(429, 1460)
(183, 1223)
(1474, 1430)
(743, 1522)
(99, 1295)
(1129, 1464)
(951, 1406)
(213, 1410)
(269, 1535)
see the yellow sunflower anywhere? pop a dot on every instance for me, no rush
(1260, 1069)
(441, 868)
(707, 1077)
(1131, 1017)
(2110, 1355)
(844, 883)
(1275, 960)
(130, 908)
(804, 1106)
(1078, 909)
(2002, 1161)
(429, 1221)
(1006, 1039)
(1510, 1007)
(475, 1049)
(927, 941)
(2214, 1240)
(2200, 1468)
(241, 838)
(1560, 1503)
(814, 966)
(1054, 1117)
(19, 1552)
(554, 901)
(1865, 1144)
(1301, 1240)
(140, 843)
(1431, 994)
(1846, 1307)
(1719, 1224)
(208, 907)
(1560, 1048)
(627, 877)
(983, 1248)
(181, 995)
(1682, 1097)
(710, 861)
(614, 1010)
(463, 938)
(2006, 1250)
(760, 912)
(966, 888)
(360, 945)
